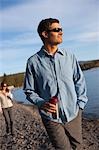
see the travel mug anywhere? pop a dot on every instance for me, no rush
(54, 100)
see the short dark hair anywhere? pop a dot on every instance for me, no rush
(44, 25)
(3, 84)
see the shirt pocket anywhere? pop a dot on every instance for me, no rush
(66, 72)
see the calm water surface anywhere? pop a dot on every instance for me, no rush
(92, 81)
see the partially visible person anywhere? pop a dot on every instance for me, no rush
(6, 104)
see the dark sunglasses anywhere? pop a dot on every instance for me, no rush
(55, 30)
(4, 85)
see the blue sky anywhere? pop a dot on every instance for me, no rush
(18, 29)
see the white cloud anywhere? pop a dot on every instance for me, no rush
(71, 12)
(79, 18)
(25, 39)
(89, 37)
(84, 37)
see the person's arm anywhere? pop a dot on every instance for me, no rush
(0, 106)
(80, 84)
(30, 86)
(30, 89)
(10, 95)
(0, 109)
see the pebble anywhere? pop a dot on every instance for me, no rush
(30, 133)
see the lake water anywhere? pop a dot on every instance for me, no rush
(92, 80)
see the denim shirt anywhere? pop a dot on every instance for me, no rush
(47, 75)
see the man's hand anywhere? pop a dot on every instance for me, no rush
(49, 107)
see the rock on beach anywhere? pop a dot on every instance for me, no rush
(30, 133)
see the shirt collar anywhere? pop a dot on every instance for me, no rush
(60, 51)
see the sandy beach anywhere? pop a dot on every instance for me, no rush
(30, 133)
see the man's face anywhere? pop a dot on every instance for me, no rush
(55, 34)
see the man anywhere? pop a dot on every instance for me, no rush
(53, 76)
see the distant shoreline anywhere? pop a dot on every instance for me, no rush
(17, 79)
(86, 65)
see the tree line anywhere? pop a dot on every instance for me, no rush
(14, 79)
(17, 79)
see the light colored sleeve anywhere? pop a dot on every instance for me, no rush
(80, 84)
(10, 95)
(30, 87)
(0, 106)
